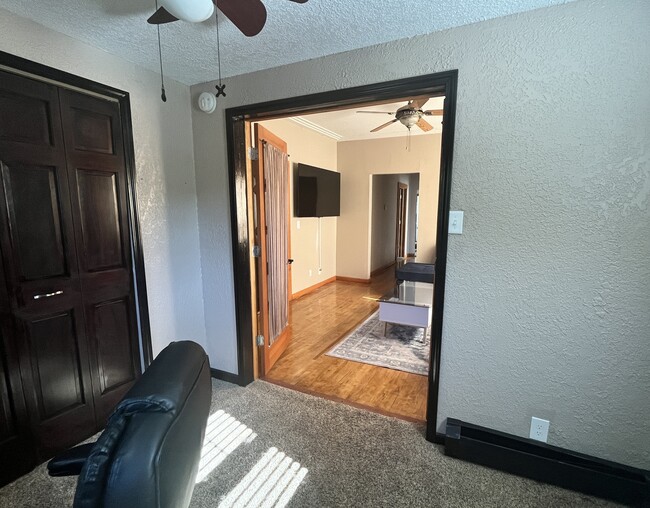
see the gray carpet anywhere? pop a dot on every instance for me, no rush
(403, 347)
(267, 443)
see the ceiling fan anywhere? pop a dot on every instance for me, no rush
(409, 115)
(247, 15)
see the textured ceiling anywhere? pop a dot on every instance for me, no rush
(350, 125)
(293, 32)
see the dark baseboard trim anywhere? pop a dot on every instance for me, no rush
(546, 463)
(227, 376)
(439, 438)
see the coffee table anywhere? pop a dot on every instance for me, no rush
(409, 304)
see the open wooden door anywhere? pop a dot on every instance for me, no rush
(272, 235)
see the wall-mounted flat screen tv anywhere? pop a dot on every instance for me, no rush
(318, 192)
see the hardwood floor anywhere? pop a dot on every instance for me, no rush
(319, 320)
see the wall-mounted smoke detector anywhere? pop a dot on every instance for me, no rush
(207, 102)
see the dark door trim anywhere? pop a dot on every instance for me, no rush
(444, 83)
(21, 66)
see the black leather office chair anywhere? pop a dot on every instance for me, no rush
(148, 455)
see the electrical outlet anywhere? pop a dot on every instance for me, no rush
(310, 272)
(539, 429)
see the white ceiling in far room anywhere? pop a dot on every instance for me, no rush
(348, 125)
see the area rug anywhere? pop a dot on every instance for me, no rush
(402, 347)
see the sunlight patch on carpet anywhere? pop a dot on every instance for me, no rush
(223, 435)
(271, 483)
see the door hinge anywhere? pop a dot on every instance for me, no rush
(257, 251)
(253, 153)
(260, 340)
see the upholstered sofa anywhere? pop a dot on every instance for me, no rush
(415, 272)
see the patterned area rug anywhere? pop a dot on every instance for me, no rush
(402, 347)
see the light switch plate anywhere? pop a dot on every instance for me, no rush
(456, 223)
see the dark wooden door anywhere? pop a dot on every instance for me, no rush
(67, 258)
(97, 178)
(40, 262)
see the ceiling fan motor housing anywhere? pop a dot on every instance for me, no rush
(408, 117)
(194, 11)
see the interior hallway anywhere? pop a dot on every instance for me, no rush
(318, 321)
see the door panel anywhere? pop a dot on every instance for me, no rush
(16, 449)
(35, 224)
(7, 417)
(97, 174)
(100, 220)
(56, 366)
(92, 131)
(111, 321)
(29, 119)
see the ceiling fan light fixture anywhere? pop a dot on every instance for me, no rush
(409, 118)
(193, 11)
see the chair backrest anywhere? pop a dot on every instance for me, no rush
(148, 455)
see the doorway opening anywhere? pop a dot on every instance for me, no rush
(246, 264)
(400, 222)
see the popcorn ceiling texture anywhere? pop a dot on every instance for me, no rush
(292, 33)
(166, 190)
(548, 289)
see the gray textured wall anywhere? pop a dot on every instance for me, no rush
(548, 293)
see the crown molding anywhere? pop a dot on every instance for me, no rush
(315, 127)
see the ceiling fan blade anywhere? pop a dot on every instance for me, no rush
(161, 16)
(378, 112)
(434, 112)
(424, 125)
(383, 126)
(247, 15)
(418, 102)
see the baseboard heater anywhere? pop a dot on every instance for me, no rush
(548, 464)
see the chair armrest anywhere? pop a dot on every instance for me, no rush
(70, 462)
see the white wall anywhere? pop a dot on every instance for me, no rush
(360, 159)
(309, 147)
(164, 159)
(548, 289)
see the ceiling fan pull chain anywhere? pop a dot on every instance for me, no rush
(163, 95)
(221, 88)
